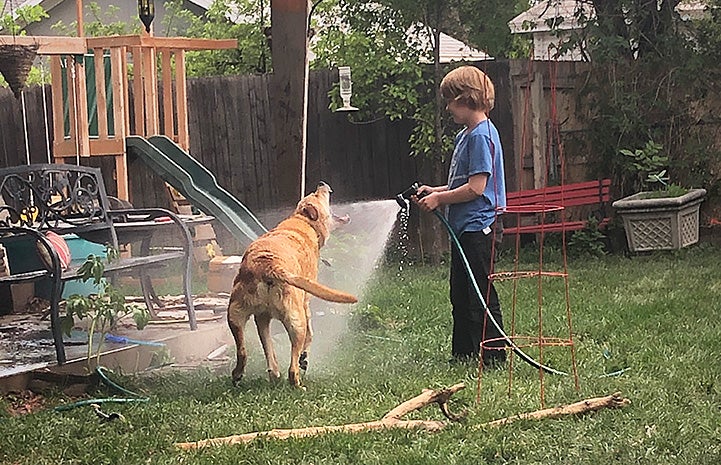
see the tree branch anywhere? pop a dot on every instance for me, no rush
(589, 405)
(391, 419)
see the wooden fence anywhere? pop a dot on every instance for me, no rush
(230, 133)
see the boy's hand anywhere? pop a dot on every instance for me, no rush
(423, 190)
(428, 202)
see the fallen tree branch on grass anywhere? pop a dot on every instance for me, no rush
(391, 419)
(615, 400)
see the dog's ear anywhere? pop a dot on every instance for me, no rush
(310, 211)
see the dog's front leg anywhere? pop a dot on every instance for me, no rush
(237, 325)
(262, 322)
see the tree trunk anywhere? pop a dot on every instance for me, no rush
(289, 97)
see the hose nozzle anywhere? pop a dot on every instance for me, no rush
(404, 197)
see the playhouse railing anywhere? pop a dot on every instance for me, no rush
(95, 110)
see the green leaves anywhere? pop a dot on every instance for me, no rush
(93, 268)
(105, 308)
(646, 162)
(24, 16)
(244, 20)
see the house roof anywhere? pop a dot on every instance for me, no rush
(452, 49)
(550, 15)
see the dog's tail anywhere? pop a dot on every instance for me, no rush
(317, 289)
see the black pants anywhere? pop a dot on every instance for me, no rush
(469, 315)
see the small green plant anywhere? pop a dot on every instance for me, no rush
(105, 308)
(648, 166)
(588, 242)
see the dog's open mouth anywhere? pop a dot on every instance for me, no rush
(345, 219)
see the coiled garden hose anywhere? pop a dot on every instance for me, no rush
(100, 371)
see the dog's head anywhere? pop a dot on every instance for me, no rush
(315, 207)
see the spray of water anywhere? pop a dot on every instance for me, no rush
(350, 258)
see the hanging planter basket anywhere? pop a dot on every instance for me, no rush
(15, 63)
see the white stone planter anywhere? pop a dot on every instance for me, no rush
(660, 224)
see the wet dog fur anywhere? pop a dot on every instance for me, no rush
(276, 278)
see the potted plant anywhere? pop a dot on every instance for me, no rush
(663, 218)
(16, 60)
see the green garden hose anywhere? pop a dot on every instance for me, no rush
(526, 358)
(100, 371)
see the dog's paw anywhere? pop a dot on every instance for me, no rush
(237, 375)
(303, 361)
(273, 376)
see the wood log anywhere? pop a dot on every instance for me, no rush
(615, 400)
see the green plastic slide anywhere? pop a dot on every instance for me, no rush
(179, 169)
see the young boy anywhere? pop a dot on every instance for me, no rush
(476, 188)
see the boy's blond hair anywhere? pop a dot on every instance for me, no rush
(469, 86)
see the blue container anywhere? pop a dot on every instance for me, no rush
(79, 251)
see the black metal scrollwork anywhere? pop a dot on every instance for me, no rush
(52, 197)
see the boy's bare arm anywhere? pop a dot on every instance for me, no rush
(473, 189)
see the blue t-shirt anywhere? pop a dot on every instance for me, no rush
(478, 151)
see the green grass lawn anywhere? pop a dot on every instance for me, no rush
(654, 316)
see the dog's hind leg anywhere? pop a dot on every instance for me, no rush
(237, 327)
(296, 333)
(262, 322)
(303, 360)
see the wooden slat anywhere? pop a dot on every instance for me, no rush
(138, 100)
(144, 40)
(121, 175)
(551, 227)
(115, 41)
(150, 90)
(592, 191)
(58, 106)
(249, 157)
(64, 148)
(118, 82)
(49, 45)
(181, 102)
(81, 99)
(107, 146)
(98, 147)
(101, 98)
(124, 51)
(167, 79)
(186, 43)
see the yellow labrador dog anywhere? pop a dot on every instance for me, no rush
(277, 275)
